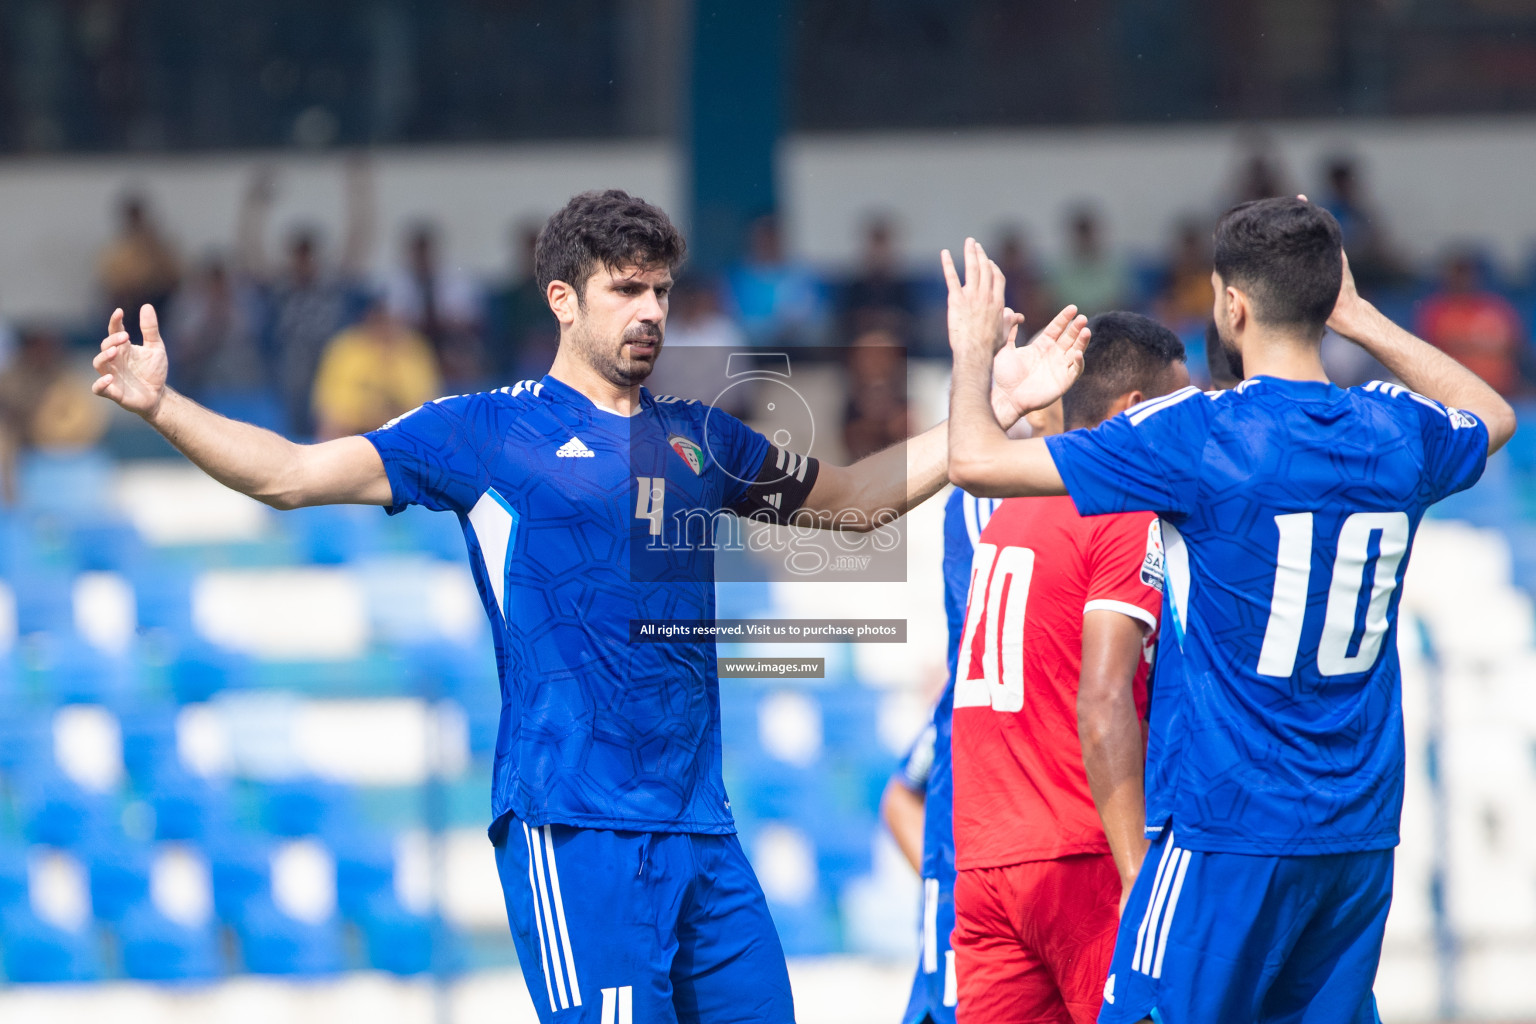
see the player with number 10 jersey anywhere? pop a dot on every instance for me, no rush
(1289, 506)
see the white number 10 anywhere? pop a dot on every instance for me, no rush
(999, 598)
(1293, 572)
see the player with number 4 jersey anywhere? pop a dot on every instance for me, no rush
(581, 499)
(1060, 626)
(1289, 505)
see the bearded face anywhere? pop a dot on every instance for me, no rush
(621, 321)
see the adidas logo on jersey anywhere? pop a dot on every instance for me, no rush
(574, 449)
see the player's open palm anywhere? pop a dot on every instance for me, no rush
(1034, 376)
(977, 318)
(132, 375)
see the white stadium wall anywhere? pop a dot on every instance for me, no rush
(56, 214)
(1436, 182)
(1439, 182)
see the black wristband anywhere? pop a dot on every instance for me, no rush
(783, 483)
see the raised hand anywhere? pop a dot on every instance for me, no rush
(1349, 309)
(1032, 377)
(976, 312)
(133, 376)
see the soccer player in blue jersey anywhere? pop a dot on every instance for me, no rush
(628, 894)
(1275, 759)
(918, 801)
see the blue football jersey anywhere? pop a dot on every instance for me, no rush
(567, 510)
(927, 769)
(965, 516)
(1289, 509)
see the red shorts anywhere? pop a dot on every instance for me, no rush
(1033, 941)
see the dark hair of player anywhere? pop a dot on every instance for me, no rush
(1126, 352)
(610, 228)
(1286, 255)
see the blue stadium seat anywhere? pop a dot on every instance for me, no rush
(465, 673)
(365, 869)
(304, 807)
(809, 930)
(155, 948)
(26, 740)
(187, 807)
(844, 845)
(274, 943)
(119, 874)
(742, 599)
(149, 739)
(770, 789)
(395, 940)
(75, 672)
(19, 550)
(257, 407)
(45, 599)
(1522, 447)
(162, 596)
(10, 680)
(14, 878)
(849, 717)
(335, 534)
(56, 811)
(198, 670)
(107, 545)
(1522, 545)
(71, 486)
(240, 867)
(36, 951)
(433, 533)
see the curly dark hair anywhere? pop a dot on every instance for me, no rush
(611, 228)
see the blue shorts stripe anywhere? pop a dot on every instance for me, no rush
(565, 934)
(533, 888)
(1147, 916)
(537, 848)
(1173, 903)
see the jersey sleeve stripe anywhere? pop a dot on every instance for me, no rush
(1145, 409)
(494, 522)
(1104, 604)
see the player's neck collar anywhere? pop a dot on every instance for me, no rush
(571, 394)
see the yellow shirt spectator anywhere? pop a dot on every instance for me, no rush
(371, 373)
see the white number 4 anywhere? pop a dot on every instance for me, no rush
(1293, 574)
(648, 503)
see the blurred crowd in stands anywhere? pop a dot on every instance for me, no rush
(311, 344)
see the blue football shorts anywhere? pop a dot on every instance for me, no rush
(933, 990)
(1238, 937)
(623, 927)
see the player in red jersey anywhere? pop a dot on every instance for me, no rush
(1050, 696)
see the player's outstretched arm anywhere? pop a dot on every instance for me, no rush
(1110, 732)
(257, 462)
(982, 458)
(1420, 365)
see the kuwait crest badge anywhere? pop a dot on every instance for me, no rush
(689, 451)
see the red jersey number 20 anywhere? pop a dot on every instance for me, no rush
(990, 668)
